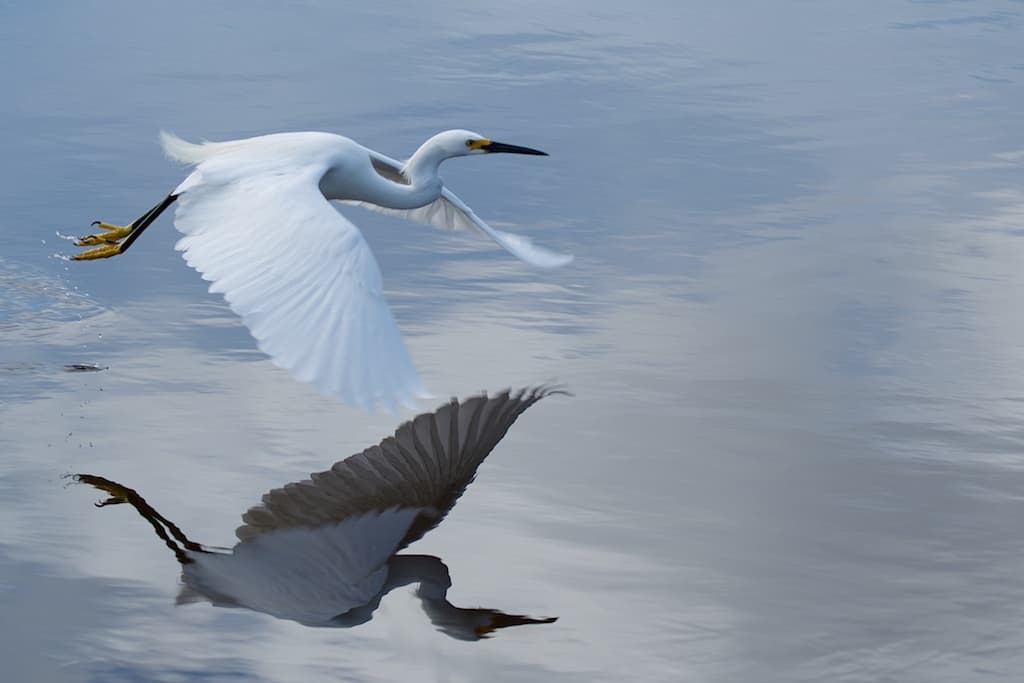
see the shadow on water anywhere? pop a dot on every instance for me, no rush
(324, 551)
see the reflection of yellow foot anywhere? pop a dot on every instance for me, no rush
(113, 233)
(118, 493)
(106, 251)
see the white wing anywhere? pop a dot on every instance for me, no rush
(451, 213)
(298, 273)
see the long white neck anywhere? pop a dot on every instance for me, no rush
(421, 172)
(422, 167)
(418, 186)
(394, 195)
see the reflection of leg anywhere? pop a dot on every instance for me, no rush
(110, 241)
(163, 526)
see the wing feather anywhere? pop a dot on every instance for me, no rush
(299, 274)
(451, 213)
(427, 464)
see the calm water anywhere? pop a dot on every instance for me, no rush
(793, 330)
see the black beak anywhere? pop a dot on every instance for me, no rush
(492, 147)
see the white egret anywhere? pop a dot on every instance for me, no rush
(322, 551)
(257, 224)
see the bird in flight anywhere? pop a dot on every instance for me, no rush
(258, 225)
(325, 551)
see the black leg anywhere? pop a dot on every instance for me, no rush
(139, 225)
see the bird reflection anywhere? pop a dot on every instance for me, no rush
(322, 551)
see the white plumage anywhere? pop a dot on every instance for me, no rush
(258, 225)
(301, 276)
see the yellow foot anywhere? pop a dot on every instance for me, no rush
(106, 251)
(113, 234)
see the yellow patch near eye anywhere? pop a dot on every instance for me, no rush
(477, 144)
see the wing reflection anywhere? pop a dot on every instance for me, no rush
(322, 551)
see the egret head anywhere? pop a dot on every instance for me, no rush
(460, 143)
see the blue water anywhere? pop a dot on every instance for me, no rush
(793, 331)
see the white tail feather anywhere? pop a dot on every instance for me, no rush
(191, 153)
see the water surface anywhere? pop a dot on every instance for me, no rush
(792, 329)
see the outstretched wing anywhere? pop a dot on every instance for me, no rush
(299, 274)
(427, 464)
(451, 213)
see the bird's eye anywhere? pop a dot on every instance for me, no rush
(469, 142)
